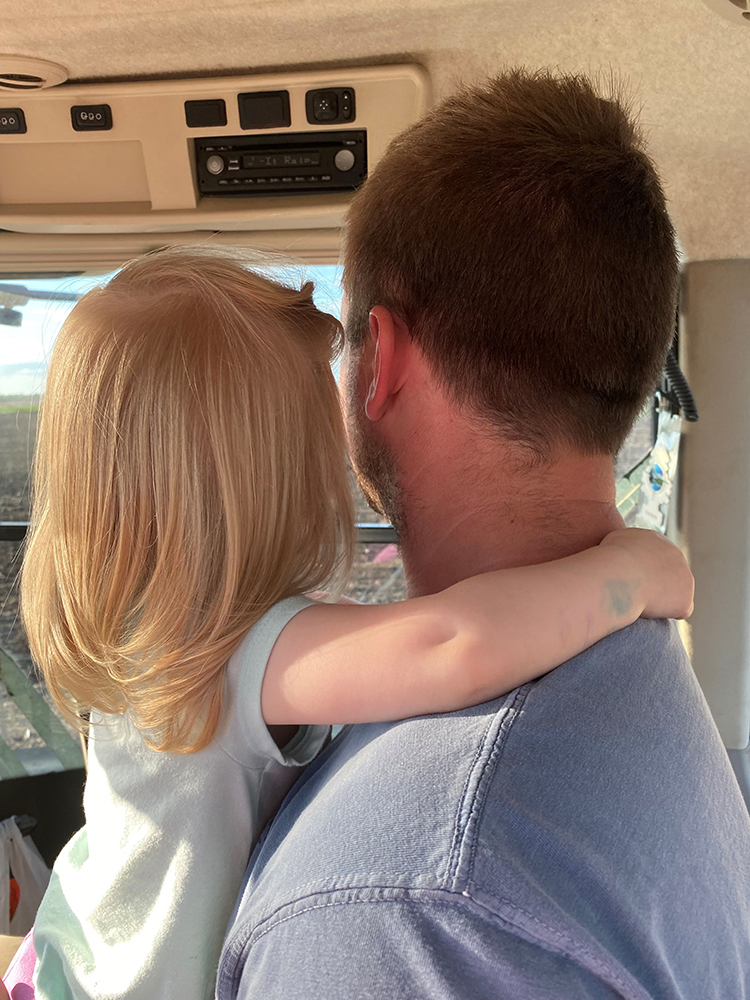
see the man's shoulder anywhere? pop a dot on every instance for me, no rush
(387, 791)
(553, 809)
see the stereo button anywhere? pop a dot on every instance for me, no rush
(344, 160)
(215, 164)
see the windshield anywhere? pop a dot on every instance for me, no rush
(33, 739)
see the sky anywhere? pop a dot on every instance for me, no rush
(30, 344)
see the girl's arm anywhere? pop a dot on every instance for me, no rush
(339, 663)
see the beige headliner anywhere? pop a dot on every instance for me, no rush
(688, 66)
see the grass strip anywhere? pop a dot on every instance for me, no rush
(64, 746)
(10, 765)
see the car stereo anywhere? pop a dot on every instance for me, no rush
(296, 163)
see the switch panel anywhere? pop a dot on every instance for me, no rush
(12, 120)
(330, 106)
(91, 117)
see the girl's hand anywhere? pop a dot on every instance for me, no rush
(667, 586)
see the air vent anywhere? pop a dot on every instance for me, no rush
(736, 11)
(23, 73)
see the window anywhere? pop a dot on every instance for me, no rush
(33, 739)
(378, 575)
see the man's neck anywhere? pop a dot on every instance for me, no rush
(464, 518)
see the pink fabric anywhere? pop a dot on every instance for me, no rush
(19, 978)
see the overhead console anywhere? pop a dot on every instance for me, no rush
(271, 152)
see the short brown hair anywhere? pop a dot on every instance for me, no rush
(522, 233)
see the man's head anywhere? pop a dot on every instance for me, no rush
(520, 233)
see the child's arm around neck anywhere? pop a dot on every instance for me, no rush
(477, 640)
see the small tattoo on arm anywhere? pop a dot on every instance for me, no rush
(620, 597)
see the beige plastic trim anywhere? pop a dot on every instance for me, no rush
(715, 513)
(140, 175)
(733, 11)
(23, 253)
(48, 74)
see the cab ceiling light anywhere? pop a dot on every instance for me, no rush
(24, 73)
(736, 11)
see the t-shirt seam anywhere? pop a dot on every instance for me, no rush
(304, 744)
(505, 719)
(246, 767)
(454, 852)
(513, 714)
(457, 901)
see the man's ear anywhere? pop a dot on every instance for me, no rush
(386, 374)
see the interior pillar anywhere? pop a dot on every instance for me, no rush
(715, 501)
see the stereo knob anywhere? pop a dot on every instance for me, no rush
(344, 160)
(215, 164)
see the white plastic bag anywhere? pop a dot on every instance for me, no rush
(19, 854)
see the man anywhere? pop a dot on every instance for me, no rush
(511, 275)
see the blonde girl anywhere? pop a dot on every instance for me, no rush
(190, 490)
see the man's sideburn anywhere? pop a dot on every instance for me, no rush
(373, 462)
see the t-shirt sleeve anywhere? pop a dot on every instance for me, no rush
(403, 950)
(243, 733)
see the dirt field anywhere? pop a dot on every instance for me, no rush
(17, 430)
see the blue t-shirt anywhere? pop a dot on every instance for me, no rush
(581, 837)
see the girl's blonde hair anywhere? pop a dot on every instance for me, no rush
(189, 473)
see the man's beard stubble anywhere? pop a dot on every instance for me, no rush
(374, 464)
